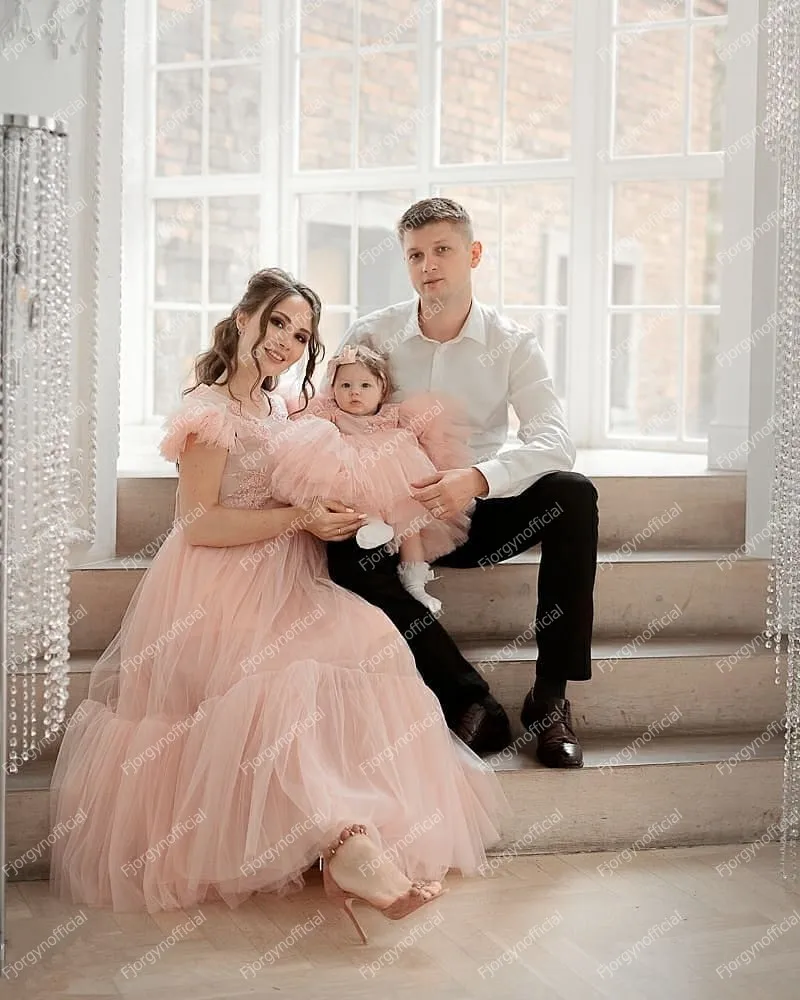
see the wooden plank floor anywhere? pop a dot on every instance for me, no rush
(666, 923)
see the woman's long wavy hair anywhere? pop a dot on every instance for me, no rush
(265, 288)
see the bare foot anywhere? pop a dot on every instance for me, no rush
(358, 867)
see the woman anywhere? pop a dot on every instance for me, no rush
(251, 716)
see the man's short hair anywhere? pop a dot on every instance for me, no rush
(429, 210)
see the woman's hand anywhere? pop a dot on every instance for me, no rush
(330, 520)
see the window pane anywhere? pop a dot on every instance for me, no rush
(233, 246)
(538, 100)
(326, 132)
(464, 19)
(235, 25)
(179, 31)
(702, 339)
(382, 274)
(213, 317)
(179, 122)
(704, 241)
(551, 332)
(470, 127)
(644, 373)
(390, 22)
(178, 248)
(483, 205)
(650, 101)
(327, 25)
(620, 380)
(536, 220)
(708, 89)
(650, 10)
(176, 343)
(538, 15)
(325, 245)
(708, 8)
(388, 110)
(234, 119)
(648, 235)
(332, 329)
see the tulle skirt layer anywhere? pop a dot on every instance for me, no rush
(372, 473)
(247, 710)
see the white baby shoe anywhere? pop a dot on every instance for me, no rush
(373, 533)
(414, 576)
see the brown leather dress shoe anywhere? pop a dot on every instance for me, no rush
(551, 721)
(484, 727)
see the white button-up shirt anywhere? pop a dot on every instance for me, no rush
(492, 362)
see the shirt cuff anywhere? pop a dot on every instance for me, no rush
(496, 475)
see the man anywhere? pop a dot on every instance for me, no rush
(445, 341)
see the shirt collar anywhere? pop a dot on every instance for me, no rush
(474, 327)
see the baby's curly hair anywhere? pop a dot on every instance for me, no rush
(375, 363)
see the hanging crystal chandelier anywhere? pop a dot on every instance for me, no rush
(38, 507)
(782, 135)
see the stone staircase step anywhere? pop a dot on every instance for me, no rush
(631, 591)
(670, 792)
(705, 510)
(719, 798)
(719, 685)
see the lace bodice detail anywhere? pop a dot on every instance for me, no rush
(217, 421)
(386, 419)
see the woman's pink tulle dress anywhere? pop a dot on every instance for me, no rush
(369, 463)
(247, 710)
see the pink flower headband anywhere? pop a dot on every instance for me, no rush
(347, 356)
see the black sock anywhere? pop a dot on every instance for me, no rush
(546, 688)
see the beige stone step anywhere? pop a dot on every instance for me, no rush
(670, 792)
(719, 685)
(686, 591)
(638, 511)
(631, 592)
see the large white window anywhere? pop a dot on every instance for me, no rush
(583, 138)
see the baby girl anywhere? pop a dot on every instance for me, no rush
(359, 449)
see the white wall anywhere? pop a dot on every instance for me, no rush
(76, 86)
(739, 436)
(760, 464)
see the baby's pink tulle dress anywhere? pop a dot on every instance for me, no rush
(247, 710)
(369, 463)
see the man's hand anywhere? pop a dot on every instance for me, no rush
(448, 493)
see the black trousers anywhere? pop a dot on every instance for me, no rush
(559, 512)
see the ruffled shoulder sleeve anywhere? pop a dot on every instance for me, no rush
(441, 426)
(211, 421)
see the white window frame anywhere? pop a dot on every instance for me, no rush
(280, 185)
(633, 258)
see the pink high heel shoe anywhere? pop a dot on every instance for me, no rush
(416, 896)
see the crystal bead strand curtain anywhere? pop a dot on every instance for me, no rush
(37, 505)
(782, 125)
